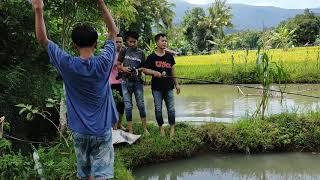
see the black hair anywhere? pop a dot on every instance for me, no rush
(157, 37)
(118, 35)
(132, 34)
(84, 35)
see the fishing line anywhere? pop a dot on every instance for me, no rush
(241, 85)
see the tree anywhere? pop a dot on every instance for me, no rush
(317, 42)
(225, 42)
(64, 14)
(177, 40)
(219, 17)
(307, 27)
(150, 15)
(248, 39)
(200, 29)
(282, 37)
(25, 75)
(195, 31)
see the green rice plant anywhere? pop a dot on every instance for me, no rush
(232, 60)
(220, 68)
(246, 59)
(318, 57)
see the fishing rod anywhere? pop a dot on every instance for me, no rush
(241, 85)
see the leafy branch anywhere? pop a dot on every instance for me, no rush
(33, 111)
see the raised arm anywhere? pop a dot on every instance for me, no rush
(107, 18)
(41, 32)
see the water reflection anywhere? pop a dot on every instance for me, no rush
(223, 103)
(236, 167)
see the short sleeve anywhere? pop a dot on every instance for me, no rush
(147, 63)
(106, 58)
(57, 56)
(143, 57)
(173, 62)
(108, 52)
(122, 54)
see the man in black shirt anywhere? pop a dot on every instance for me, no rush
(162, 86)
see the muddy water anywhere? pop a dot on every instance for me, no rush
(285, 166)
(224, 103)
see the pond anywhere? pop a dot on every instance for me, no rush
(225, 103)
(283, 166)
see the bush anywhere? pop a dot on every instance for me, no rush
(283, 132)
(154, 148)
(25, 75)
(16, 166)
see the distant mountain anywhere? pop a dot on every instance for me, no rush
(245, 16)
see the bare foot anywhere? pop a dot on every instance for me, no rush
(162, 132)
(129, 127)
(122, 128)
(172, 131)
(146, 132)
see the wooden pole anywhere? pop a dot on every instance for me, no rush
(1, 126)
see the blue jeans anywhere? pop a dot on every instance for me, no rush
(167, 96)
(95, 155)
(136, 88)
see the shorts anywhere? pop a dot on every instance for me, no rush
(95, 155)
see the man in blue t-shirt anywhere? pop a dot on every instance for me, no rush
(90, 105)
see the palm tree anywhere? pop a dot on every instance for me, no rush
(162, 13)
(219, 17)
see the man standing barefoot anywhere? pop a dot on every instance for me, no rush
(90, 106)
(160, 64)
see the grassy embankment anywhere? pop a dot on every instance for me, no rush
(285, 132)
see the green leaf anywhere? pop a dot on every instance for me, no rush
(29, 107)
(21, 105)
(34, 111)
(49, 105)
(51, 100)
(22, 110)
(29, 116)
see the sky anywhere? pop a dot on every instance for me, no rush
(287, 4)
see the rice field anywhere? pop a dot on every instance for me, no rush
(301, 64)
(294, 54)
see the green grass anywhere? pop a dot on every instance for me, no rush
(301, 64)
(278, 133)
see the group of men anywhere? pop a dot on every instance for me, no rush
(126, 78)
(90, 105)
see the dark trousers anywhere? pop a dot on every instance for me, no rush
(120, 104)
(167, 96)
(129, 88)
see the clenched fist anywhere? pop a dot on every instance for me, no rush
(37, 4)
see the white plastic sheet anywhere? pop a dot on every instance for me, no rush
(120, 136)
